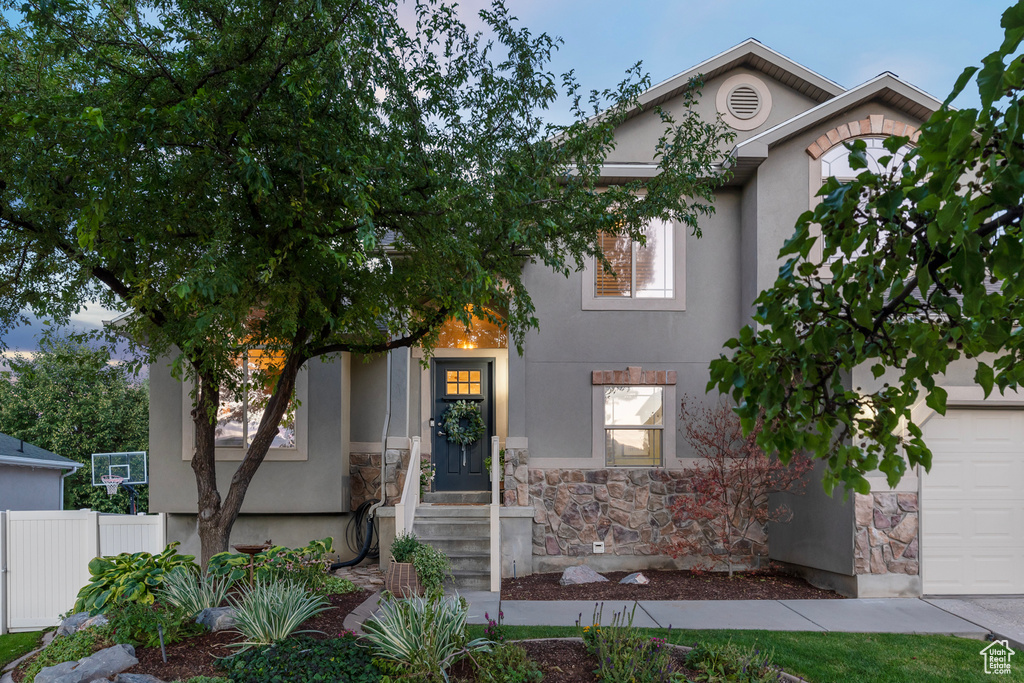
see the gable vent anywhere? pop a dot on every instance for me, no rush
(744, 102)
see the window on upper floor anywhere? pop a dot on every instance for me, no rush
(836, 162)
(646, 275)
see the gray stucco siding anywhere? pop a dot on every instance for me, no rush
(635, 139)
(551, 383)
(30, 488)
(318, 484)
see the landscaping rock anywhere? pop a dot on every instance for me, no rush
(137, 678)
(637, 578)
(217, 618)
(72, 624)
(98, 620)
(580, 574)
(96, 667)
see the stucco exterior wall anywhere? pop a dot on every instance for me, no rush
(318, 484)
(30, 488)
(636, 138)
(550, 386)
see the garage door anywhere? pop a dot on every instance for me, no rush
(972, 507)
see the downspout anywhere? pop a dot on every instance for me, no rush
(367, 540)
(62, 478)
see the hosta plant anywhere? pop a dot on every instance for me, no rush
(192, 593)
(270, 611)
(129, 577)
(424, 636)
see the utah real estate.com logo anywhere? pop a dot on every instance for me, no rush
(997, 657)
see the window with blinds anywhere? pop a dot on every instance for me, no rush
(638, 271)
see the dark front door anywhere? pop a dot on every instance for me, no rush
(461, 468)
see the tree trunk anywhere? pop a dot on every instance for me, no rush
(217, 517)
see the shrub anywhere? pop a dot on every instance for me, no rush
(268, 612)
(404, 547)
(307, 565)
(80, 644)
(335, 585)
(730, 663)
(507, 663)
(128, 577)
(432, 568)
(137, 624)
(304, 659)
(623, 654)
(424, 636)
(208, 679)
(192, 593)
(726, 516)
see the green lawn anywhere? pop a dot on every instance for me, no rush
(14, 645)
(837, 657)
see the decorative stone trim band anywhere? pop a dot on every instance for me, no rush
(634, 376)
(875, 124)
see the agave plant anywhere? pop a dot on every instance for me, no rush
(191, 593)
(427, 636)
(270, 611)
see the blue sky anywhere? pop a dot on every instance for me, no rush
(925, 42)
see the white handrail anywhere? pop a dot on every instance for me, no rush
(405, 509)
(495, 518)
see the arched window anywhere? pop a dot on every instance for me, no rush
(836, 163)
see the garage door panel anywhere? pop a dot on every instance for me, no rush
(972, 503)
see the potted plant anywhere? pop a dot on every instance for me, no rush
(401, 579)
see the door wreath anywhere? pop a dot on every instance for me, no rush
(454, 429)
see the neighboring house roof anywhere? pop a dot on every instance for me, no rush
(886, 87)
(752, 54)
(17, 452)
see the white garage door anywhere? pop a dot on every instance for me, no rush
(972, 507)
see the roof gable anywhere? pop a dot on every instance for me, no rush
(752, 54)
(17, 452)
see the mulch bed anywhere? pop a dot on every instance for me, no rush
(198, 656)
(561, 661)
(668, 585)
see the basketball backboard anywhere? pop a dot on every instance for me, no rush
(130, 466)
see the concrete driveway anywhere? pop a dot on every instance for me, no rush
(1004, 616)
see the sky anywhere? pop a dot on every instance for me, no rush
(925, 42)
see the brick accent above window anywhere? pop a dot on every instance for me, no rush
(874, 124)
(634, 376)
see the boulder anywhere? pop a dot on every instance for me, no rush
(98, 620)
(580, 574)
(636, 578)
(72, 624)
(96, 667)
(217, 618)
(137, 678)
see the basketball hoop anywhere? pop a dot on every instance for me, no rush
(111, 481)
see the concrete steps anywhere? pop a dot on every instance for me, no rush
(457, 497)
(462, 532)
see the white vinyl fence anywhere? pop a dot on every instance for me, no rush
(44, 558)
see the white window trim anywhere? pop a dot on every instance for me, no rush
(677, 302)
(235, 454)
(598, 456)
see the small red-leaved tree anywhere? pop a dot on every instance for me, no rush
(726, 513)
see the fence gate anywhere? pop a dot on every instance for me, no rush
(46, 556)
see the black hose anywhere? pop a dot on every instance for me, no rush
(355, 532)
(367, 537)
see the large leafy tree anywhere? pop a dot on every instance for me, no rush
(71, 399)
(927, 272)
(304, 177)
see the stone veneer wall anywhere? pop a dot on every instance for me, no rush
(364, 473)
(886, 541)
(627, 508)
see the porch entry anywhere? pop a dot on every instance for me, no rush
(461, 468)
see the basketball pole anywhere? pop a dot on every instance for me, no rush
(132, 507)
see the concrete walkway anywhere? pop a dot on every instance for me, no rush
(875, 615)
